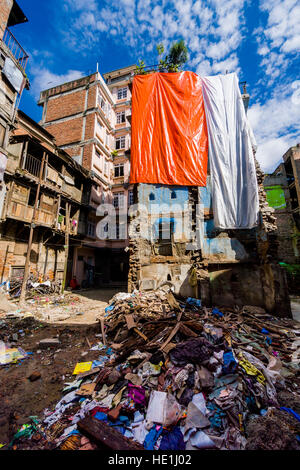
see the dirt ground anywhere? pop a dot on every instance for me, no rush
(76, 307)
(73, 320)
(21, 398)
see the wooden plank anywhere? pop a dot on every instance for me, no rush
(173, 333)
(130, 322)
(106, 435)
(141, 334)
(93, 371)
(102, 331)
(187, 331)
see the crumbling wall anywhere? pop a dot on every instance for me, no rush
(222, 267)
(44, 260)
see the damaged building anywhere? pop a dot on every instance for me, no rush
(232, 267)
(45, 190)
(90, 120)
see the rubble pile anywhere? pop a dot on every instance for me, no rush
(172, 375)
(33, 287)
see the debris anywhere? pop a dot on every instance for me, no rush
(34, 376)
(48, 343)
(82, 367)
(195, 378)
(106, 435)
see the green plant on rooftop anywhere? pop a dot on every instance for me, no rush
(172, 62)
(177, 57)
(140, 68)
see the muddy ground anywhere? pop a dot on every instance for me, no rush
(21, 398)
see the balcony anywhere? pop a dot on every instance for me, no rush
(32, 165)
(15, 48)
(20, 211)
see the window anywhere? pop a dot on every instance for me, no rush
(17, 272)
(101, 101)
(98, 154)
(120, 142)
(119, 170)
(91, 229)
(151, 197)
(165, 229)
(120, 231)
(173, 195)
(120, 117)
(119, 200)
(130, 198)
(99, 127)
(122, 93)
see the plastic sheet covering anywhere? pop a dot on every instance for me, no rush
(169, 142)
(232, 166)
(3, 163)
(13, 74)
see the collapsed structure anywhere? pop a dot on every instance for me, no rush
(233, 265)
(283, 195)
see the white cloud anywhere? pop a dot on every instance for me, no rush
(44, 79)
(212, 29)
(275, 125)
(280, 35)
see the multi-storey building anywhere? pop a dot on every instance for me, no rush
(13, 79)
(90, 119)
(45, 191)
(283, 194)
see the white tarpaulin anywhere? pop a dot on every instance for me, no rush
(3, 163)
(13, 74)
(231, 159)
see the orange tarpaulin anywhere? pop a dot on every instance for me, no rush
(169, 143)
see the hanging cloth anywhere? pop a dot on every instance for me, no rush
(169, 143)
(231, 159)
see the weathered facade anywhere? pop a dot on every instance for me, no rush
(44, 189)
(13, 61)
(285, 210)
(90, 119)
(221, 267)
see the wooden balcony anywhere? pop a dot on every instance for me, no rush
(19, 211)
(15, 48)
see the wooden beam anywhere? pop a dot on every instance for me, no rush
(106, 435)
(67, 233)
(26, 268)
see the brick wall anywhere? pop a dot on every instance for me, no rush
(5, 7)
(74, 151)
(87, 156)
(285, 224)
(92, 97)
(65, 105)
(67, 132)
(89, 126)
(14, 254)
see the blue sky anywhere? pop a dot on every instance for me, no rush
(260, 40)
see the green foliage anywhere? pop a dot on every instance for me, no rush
(177, 57)
(172, 62)
(114, 153)
(160, 49)
(140, 68)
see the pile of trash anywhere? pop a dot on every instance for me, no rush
(173, 375)
(35, 286)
